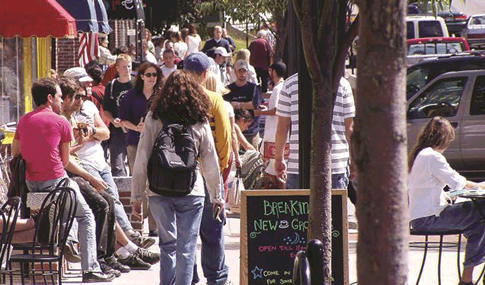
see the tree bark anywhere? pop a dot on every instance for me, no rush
(379, 144)
(281, 34)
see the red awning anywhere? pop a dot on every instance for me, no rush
(40, 18)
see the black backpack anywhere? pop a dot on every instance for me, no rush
(172, 165)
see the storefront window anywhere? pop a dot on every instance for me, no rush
(11, 79)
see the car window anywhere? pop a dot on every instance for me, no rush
(410, 30)
(415, 80)
(429, 29)
(440, 99)
(477, 20)
(477, 106)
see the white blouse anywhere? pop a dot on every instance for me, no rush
(430, 173)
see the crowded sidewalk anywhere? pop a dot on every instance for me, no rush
(449, 272)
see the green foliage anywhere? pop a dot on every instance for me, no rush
(249, 10)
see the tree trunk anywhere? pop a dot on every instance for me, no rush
(379, 144)
(281, 34)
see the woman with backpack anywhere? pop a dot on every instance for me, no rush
(177, 130)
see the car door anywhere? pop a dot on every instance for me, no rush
(441, 97)
(473, 127)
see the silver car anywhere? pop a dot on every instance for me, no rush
(474, 31)
(459, 97)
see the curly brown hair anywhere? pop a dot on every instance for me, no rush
(181, 100)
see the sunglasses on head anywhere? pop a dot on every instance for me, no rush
(80, 96)
(154, 74)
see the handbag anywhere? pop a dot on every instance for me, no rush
(234, 195)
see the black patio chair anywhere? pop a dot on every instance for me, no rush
(440, 244)
(8, 215)
(54, 221)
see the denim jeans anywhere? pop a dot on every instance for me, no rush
(84, 217)
(117, 153)
(460, 216)
(178, 221)
(120, 213)
(102, 206)
(213, 258)
(292, 181)
(340, 181)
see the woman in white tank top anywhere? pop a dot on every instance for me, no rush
(193, 41)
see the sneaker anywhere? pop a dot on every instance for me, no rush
(148, 256)
(228, 282)
(140, 241)
(134, 262)
(92, 277)
(114, 263)
(108, 269)
(153, 233)
(71, 253)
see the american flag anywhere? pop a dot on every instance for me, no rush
(88, 48)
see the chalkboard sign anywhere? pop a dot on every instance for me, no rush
(274, 226)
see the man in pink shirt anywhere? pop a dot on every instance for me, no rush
(43, 139)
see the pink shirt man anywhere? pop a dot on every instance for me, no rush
(40, 133)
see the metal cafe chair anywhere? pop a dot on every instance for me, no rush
(54, 221)
(441, 244)
(8, 214)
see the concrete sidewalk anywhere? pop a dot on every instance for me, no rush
(449, 267)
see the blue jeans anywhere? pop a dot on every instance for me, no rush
(340, 181)
(120, 213)
(213, 258)
(460, 216)
(178, 222)
(85, 219)
(117, 153)
(292, 181)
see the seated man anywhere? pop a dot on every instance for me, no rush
(43, 138)
(90, 153)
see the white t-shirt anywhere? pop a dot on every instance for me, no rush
(167, 71)
(91, 153)
(272, 121)
(181, 48)
(229, 109)
(193, 45)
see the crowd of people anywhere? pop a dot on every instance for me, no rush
(110, 112)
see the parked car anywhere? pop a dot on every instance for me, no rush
(423, 72)
(474, 31)
(425, 27)
(454, 19)
(459, 97)
(421, 49)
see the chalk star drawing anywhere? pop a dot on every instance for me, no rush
(257, 272)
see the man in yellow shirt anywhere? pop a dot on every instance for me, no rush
(211, 230)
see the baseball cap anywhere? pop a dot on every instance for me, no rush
(197, 62)
(78, 73)
(241, 64)
(221, 51)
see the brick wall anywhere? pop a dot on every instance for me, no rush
(122, 34)
(124, 189)
(66, 52)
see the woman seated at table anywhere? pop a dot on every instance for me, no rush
(429, 172)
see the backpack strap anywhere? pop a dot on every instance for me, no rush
(112, 84)
(97, 97)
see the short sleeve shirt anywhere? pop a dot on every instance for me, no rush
(249, 92)
(40, 133)
(111, 100)
(133, 107)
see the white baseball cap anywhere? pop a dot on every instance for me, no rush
(78, 73)
(221, 51)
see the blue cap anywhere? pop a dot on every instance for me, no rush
(197, 62)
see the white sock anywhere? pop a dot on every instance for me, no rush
(123, 253)
(131, 247)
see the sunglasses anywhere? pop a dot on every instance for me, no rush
(151, 74)
(80, 96)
